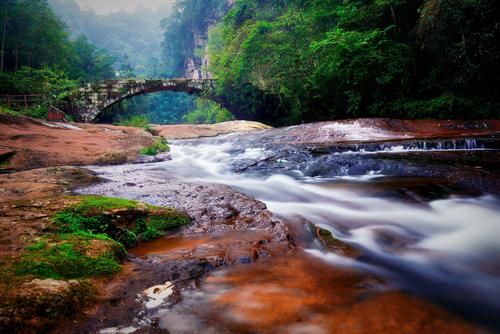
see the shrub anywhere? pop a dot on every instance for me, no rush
(7, 111)
(208, 112)
(135, 121)
(159, 146)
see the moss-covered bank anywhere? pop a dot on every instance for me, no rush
(52, 278)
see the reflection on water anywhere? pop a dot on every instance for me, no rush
(299, 294)
(439, 245)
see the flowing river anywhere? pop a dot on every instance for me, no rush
(419, 241)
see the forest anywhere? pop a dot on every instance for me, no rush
(278, 61)
(329, 59)
(249, 166)
(39, 57)
(134, 39)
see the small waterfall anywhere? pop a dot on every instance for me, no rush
(414, 146)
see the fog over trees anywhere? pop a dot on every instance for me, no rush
(133, 38)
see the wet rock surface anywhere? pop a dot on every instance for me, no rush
(228, 228)
(37, 144)
(389, 209)
(471, 163)
(381, 183)
(184, 131)
(213, 208)
(376, 129)
(39, 305)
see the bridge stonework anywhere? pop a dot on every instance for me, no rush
(91, 100)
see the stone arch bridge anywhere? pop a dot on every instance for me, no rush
(89, 101)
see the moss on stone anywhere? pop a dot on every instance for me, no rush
(5, 159)
(113, 158)
(70, 256)
(157, 225)
(333, 244)
(48, 281)
(124, 221)
(159, 146)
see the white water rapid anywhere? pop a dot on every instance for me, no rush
(446, 249)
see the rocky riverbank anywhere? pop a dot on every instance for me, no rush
(27, 143)
(44, 263)
(165, 284)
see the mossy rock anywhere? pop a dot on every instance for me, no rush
(70, 256)
(38, 305)
(48, 281)
(332, 244)
(5, 158)
(122, 220)
(113, 158)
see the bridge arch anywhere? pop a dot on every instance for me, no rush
(91, 100)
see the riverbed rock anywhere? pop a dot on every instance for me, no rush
(36, 306)
(212, 208)
(377, 130)
(37, 144)
(333, 244)
(187, 131)
(146, 159)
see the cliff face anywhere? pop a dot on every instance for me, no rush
(196, 66)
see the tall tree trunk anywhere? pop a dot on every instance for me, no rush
(4, 36)
(16, 54)
(393, 15)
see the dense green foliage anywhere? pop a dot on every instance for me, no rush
(52, 86)
(36, 38)
(330, 59)
(165, 108)
(38, 56)
(135, 40)
(97, 215)
(7, 111)
(140, 121)
(207, 112)
(158, 108)
(159, 146)
(188, 22)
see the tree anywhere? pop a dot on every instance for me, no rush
(326, 59)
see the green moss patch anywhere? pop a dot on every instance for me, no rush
(99, 203)
(70, 256)
(157, 225)
(50, 279)
(159, 146)
(124, 221)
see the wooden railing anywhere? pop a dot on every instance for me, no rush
(17, 102)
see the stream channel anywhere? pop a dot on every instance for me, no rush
(417, 238)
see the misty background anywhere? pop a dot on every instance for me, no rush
(148, 40)
(128, 30)
(106, 7)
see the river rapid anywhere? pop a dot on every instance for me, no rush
(425, 235)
